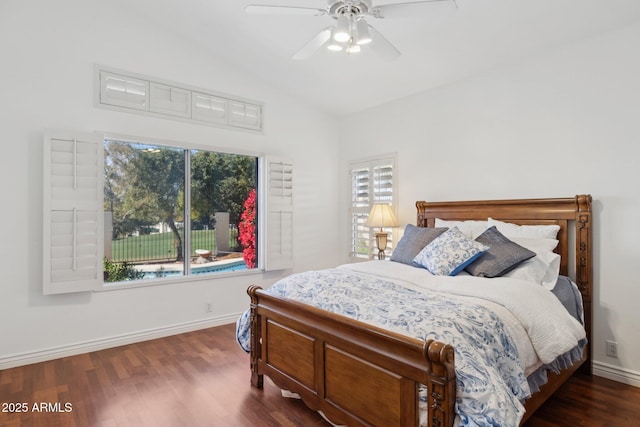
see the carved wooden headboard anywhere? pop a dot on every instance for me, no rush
(572, 214)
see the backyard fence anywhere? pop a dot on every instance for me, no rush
(158, 247)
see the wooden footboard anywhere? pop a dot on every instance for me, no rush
(356, 374)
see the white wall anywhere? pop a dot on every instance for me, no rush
(48, 50)
(565, 122)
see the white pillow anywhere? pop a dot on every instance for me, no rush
(543, 268)
(471, 228)
(551, 275)
(536, 245)
(529, 231)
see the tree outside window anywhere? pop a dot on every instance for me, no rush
(145, 196)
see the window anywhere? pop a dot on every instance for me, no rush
(124, 212)
(148, 232)
(134, 93)
(372, 181)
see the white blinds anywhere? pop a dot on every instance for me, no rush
(209, 108)
(73, 221)
(148, 95)
(245, 115)
(169, 100)
(382, 186)
(279, 220)
(372, 182)
(124, 91)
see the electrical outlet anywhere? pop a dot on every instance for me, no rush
(612, 349)
(208, 308)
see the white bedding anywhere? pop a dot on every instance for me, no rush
(533, 315)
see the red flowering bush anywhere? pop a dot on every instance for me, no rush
(247, 230)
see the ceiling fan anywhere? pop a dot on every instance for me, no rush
(351, 31)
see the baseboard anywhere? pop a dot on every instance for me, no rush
(104, 343)
(616, 373)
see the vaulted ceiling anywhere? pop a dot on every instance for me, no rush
(438, 45)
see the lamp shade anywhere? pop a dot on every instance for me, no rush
(381, 215)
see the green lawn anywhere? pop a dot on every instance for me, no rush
(160, 246)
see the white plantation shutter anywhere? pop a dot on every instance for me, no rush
(135, 93)
(372, 181)
(279, 214)
(360, 206)
(73, 219)
(124, 91)
(382, 187)
(245, 115)
(209, 108)
(169, 100)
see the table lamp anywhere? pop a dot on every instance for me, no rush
(381, 216)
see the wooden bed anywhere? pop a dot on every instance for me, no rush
(358, 374)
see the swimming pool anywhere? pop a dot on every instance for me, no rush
(213, 268)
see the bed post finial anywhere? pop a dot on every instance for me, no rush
(583, 203)
(421, 220)
(583, 244)
(584, 267)
(441, 389)
(257, 380)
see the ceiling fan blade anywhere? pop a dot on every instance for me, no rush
(283, 10)
(314, 44)
(409, 9)
(382, 46)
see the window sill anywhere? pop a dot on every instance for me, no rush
(114, 286)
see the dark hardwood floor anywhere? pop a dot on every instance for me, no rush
(202, 379)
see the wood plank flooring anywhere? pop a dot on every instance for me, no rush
(202, 379)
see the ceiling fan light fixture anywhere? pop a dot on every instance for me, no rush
(342, 32)
(332, 44)
(354, 48)
(363, 36)
(350, 30)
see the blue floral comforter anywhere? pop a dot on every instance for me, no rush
(491, 380)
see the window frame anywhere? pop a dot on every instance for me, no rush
(187, 277)
(390, 159)
(264, 203)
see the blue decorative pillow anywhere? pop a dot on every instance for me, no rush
(412, 242)
(502, 257)
(449, 253)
